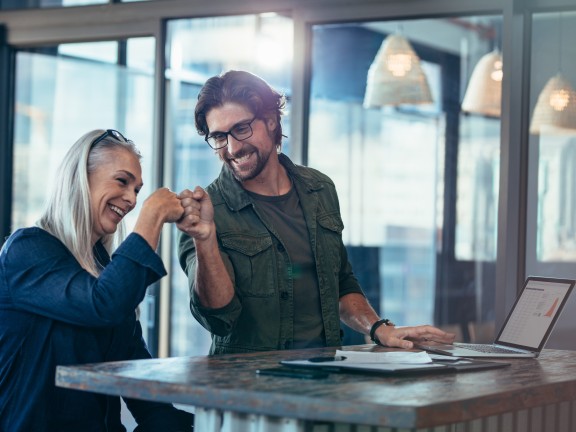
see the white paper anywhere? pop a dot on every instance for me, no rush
(397, 357)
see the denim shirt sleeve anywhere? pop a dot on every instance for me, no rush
(44, 278)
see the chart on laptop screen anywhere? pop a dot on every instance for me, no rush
(534, 313)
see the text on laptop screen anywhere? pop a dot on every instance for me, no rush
(535, 312)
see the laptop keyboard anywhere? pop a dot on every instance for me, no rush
(487, 348)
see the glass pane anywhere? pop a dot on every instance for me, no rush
(104, 52)
(19, 4)
(417, 176)
(553, 135)
(551, 218)
(477, 202)
(46, 3)
(198, 49)
(57, 102)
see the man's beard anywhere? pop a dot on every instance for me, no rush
(258, 163)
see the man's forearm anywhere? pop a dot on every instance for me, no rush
(356, 312)
(213, 284)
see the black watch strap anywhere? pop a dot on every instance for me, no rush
(375, 326)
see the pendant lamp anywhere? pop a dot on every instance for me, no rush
(484, 92)
(555, 110)
(396, 76)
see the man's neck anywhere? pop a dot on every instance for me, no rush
(272, 181)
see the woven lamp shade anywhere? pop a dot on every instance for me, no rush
(555, 110)
(396, 76)
(484, 92)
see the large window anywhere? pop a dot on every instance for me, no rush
(551, 228)
(198, 49)
(446, 207)
(418, 182)
(553, 136)
(67, 90)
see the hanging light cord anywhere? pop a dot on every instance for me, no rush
(560, 42)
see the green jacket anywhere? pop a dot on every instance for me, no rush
(260, 316)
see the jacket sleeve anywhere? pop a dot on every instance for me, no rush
(348, 281)
(218, 321)
(44, 278)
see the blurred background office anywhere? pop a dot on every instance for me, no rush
(448, 127)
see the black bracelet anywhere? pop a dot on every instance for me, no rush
(375, 326)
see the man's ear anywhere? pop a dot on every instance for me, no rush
(271, 122)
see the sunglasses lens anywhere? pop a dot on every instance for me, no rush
(112, 133)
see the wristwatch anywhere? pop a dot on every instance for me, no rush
(375, 326)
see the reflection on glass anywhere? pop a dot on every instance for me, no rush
(56, 3)
(105, 52)
(19, 4)
(418, 184)
(477, 203)
(61, 93)
(198, 49)
(556, 210)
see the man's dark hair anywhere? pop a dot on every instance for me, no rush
(243, 88)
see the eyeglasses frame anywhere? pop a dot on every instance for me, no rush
(247, 123)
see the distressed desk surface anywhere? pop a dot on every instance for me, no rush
(229, 383)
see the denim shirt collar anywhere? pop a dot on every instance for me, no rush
(237, 198)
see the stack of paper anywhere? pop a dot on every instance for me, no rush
(397, 357)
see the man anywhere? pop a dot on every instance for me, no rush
(262, 246)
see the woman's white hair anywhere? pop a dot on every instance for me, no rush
(67, 214)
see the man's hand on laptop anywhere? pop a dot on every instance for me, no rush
(402, 337)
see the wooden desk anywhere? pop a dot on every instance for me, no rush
(535, 395)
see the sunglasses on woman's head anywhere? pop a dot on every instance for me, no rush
(110, 133)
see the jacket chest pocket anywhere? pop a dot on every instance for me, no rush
(253, 260)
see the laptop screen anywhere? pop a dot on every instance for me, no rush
(535, 312)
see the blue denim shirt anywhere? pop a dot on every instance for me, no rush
(53, 312)
(260, 315)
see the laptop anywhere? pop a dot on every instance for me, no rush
(527, 327)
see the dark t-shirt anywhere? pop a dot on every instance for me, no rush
(285, 215)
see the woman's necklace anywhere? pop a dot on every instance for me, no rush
(99, 260)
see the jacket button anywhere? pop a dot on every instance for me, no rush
(280, 247)
(284, 295)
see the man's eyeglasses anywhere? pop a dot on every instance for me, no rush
(110, 133)
(240, 132)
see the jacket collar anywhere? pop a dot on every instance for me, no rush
(237, 198)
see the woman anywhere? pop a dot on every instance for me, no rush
(63, 300)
